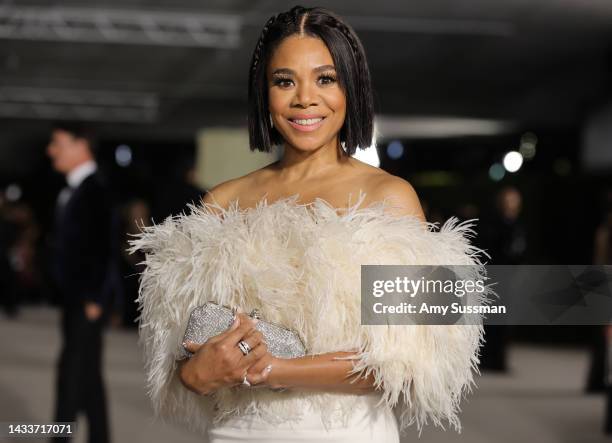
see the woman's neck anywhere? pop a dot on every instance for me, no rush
(298, 165)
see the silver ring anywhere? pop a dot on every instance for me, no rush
(245, 382)
(244, 347)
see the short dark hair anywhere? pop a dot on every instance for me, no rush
(79, 130)
(351, 65)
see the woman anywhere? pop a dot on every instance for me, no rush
(289, 239)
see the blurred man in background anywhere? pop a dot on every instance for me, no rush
(505, 239)
(7, 278)
(600, 370)
(82, 256)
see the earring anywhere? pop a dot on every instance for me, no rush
(271, 121)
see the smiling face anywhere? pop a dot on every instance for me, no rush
(306, 102)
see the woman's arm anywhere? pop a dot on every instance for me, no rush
(320, 373)
(401, 195)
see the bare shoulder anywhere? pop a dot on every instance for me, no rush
(399, 192)
(237, 188)
(223, 193)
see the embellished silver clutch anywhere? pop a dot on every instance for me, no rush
(212, 319)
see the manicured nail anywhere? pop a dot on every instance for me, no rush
(266, 370)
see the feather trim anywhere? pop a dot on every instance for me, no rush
(299, 264)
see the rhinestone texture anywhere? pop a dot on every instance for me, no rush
(212, 319)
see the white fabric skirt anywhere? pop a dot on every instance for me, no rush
(367, 424)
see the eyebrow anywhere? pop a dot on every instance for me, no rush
(292, 72)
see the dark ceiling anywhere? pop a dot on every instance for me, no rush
(544, 63)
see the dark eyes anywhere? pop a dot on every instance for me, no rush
(327, 79)
(282, 82)
(287, 82)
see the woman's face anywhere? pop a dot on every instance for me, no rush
(305, 99)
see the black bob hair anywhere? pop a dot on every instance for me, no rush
(81, 130)
(351, 67)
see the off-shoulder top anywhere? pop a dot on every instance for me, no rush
(299, 264)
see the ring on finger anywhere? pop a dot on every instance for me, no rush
(244, 347)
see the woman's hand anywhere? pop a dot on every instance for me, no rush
(220, 363)
(259, 374)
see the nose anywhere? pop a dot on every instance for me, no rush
(305, 95)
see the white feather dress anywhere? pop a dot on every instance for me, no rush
(299, 264)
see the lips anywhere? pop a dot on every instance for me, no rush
(306, 123)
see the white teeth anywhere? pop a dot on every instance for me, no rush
(308, 121)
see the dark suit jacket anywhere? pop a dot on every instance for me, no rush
(83, 241)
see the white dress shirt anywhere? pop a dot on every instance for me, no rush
(80, 173)
(75, 178)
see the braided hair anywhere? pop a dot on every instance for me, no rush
(351, 66)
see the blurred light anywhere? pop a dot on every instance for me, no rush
(123, 156)
(402, 127)
(120, 26)
(13, 192)
(562, 166)
(496, 172)
(528, 145)
(78, 104)
(395, 149)
(513, 161)
(368, 155)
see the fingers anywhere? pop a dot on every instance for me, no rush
(260, 371)
(192, 347)
(254, 355)
(260, 363)
(243, 365)
(243, 328)
(238, 333)
(224, 334)
(253, 338)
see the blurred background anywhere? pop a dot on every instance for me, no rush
(500, 111)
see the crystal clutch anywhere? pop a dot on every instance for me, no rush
(212, 319)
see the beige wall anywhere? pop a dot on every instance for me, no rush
(223, 153)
